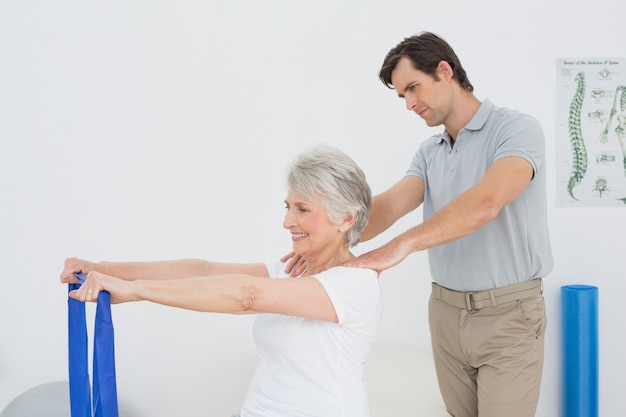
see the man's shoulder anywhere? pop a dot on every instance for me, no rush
(508, 114)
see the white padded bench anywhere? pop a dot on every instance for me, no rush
(401, 382)
(45, 400)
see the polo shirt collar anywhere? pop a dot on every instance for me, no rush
(480, 117)
(476, 122)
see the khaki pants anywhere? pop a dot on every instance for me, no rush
(489, 362)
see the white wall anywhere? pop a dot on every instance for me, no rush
(141, 130)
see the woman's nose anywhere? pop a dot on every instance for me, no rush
(287, 220)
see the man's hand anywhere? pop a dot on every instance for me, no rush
(380, 259)
(296, 265)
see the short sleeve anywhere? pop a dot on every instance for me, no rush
(276, 269)
(523, 137)
(354, 292)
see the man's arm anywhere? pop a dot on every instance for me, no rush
(467, 213)
(403, 197)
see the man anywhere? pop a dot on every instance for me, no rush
(482, 183)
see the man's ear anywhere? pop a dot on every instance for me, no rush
(445, 71)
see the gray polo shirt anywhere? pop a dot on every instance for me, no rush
(513, 247)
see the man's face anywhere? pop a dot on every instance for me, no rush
(424, 95)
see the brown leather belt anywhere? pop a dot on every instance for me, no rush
(474, 301)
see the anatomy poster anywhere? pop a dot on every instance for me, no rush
(591, 132)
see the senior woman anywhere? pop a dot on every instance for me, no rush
(314, 332)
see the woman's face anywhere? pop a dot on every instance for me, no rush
(312, 231)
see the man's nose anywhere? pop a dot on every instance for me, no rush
(411, 103)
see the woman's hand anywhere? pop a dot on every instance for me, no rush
(75, 265)
(119, 289)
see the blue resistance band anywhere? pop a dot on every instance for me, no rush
(104, 399)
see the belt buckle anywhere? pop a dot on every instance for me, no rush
(469, 303)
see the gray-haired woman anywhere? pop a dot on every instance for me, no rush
(313, 332)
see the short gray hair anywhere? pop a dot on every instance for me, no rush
(330, 174)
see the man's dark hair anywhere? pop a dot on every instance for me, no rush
(425, 51)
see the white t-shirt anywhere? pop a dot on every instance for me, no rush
(315, 368)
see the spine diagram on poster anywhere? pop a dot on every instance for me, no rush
(579, 160)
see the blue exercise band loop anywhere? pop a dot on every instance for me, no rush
(104, 399)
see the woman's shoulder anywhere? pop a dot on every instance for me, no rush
(348, 272)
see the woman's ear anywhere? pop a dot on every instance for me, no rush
(347, 223)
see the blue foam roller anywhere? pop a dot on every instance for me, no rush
(579, 319)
